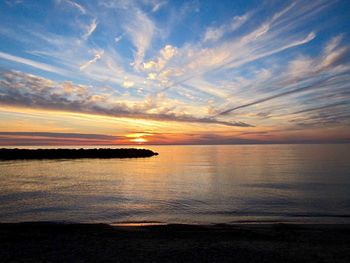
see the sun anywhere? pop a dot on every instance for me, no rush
(138, 137)
(139, 140)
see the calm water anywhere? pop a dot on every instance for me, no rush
(184, 184)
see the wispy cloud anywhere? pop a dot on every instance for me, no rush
(61, 135)
(98, 55)
(256, 44)
(140, 30)
(77, 6)
(32, 63)
(157, 5)
(54, 138)
(216, 33)
(286, 93)
(118, 38)
(322, 79)
(90, 29)
(13, 2)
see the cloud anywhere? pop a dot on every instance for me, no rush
(118, 38)
(98, 55)
(14, 2)
(152, 76)
(33, 63)
(216, 33)
(128, 83)
(149, 65)
(289, 92)
(157, 5)
(191, 6)
(140, 31)
(267, 39)
(77, 6)
(332, 105)
(306, 92)
(90, 29)
(165, 54)
(253, 61)
(168, 52)
(61, 135)
(325, 82)
(25, 90)
(213, 34)
(54, 138)
(334, 55)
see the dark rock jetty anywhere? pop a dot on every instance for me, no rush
(30, 154)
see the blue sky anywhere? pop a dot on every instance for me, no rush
(243, 70)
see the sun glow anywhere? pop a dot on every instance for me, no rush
(139, 140)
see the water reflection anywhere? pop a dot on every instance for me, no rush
(192, 184)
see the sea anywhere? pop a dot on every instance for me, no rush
(199, 184)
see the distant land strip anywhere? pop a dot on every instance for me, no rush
(38, 154)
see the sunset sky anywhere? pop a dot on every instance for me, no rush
(174, 72)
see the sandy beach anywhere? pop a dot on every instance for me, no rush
(51, 242)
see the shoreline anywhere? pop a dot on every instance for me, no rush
(269, 242)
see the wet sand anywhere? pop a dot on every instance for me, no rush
(50, 242)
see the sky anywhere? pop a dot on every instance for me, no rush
(76, 72)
